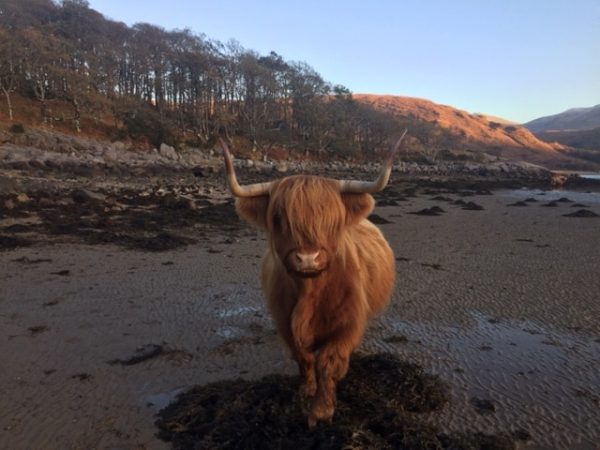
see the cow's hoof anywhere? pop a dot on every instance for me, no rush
(314, 420)
(308, 389)
(321, 411)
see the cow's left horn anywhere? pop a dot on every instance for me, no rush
(370, 187)
(251, 190)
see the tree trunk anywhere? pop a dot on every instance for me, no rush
(10, 109)
(40, 93)
(43, 111)
(77, 118)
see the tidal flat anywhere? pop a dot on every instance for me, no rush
(496, 299)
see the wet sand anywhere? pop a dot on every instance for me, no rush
(502, 303)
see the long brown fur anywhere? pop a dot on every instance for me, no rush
(321, 319)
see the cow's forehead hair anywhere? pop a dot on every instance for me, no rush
(312, 205)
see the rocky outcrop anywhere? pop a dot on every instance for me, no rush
(39, 150)
(50, 151)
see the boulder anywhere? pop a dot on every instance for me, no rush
(110, 154)
(202, 172)
(23, 198)
(119, 146)
(282, 167)
(169, 152)
(194, 158)
(20, 165)
(85, 196)
(37, 164)
(173, 201)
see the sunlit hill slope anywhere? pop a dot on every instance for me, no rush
(476, 131)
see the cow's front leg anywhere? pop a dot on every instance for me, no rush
(308, 386)
(301, 334)
(306, 364)
(331, 366)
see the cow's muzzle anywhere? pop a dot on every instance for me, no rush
(306, 264)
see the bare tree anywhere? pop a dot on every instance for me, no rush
(9, 59)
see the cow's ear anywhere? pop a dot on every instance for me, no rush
(358, 206)
(253, 210)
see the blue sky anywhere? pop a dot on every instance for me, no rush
(514, 59)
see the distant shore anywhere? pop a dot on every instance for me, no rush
(590, 175)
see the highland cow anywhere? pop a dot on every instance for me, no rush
(327, 270)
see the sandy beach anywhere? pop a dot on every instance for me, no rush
(500, 301)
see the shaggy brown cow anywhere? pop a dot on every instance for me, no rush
(326, 271)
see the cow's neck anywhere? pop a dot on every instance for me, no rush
(329, 286)
(314, 286)
(319, 298)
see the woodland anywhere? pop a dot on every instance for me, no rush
(65, 65)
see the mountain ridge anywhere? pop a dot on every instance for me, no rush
(584, 118)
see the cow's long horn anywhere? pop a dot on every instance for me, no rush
(370, 187)
(251, 190)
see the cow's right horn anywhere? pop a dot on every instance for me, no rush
(251, 190)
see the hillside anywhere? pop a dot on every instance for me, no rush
(475, 132)
(572, 119)
(587, 139)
